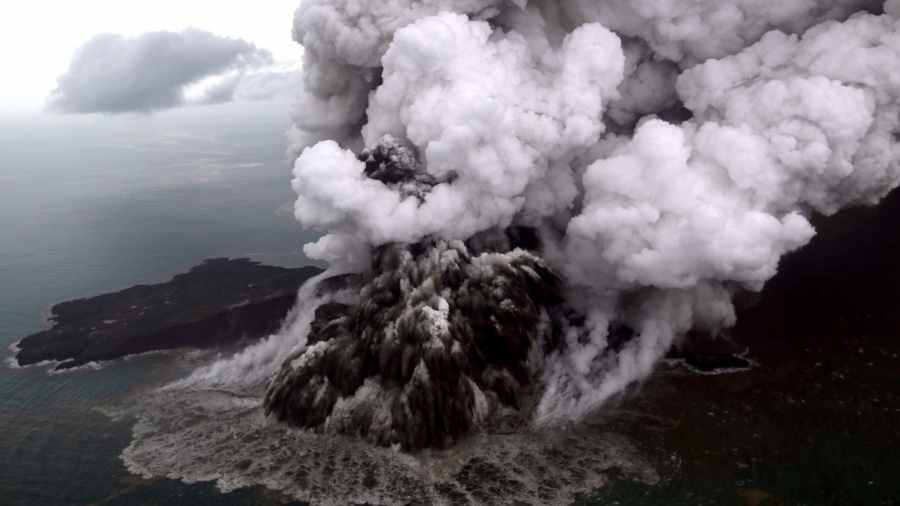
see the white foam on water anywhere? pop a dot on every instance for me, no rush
(207, 435)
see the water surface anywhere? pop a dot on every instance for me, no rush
(95, 204)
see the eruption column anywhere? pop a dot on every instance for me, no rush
(661, 155)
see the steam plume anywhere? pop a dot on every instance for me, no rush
(667, 154)
(527, 203)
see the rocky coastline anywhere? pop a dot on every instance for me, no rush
(215, 303)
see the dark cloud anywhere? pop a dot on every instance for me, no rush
(113, 74)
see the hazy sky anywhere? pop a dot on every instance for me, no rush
(39, 37)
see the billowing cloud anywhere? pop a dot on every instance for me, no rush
(670, 152)
(270, 83)
(533, 201)
(114, 74)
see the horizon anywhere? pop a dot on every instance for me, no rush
(39, 39)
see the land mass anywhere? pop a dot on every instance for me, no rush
(816, 420)
(217, 302)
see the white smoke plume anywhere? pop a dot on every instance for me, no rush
(669, 151)
(253, 366)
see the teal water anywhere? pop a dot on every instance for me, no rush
(91, 205)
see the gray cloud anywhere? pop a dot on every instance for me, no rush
(267, 84)
(114, 74)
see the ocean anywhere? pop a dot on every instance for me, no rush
(96, 204)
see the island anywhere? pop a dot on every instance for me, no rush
(217, 302)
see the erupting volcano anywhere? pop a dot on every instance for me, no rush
(624, 164)
(525, 204)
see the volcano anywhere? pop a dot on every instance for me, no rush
(440, 337)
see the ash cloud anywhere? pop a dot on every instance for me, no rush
(116, 74)
(664, 154)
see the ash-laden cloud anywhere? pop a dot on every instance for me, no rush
(116, 74)
(540, 198)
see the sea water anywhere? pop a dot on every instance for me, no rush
(95, 204)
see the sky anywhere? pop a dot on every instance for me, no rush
(38, 38)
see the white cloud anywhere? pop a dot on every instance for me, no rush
(32, 73)
(111, 73)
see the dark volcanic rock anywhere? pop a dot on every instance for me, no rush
(445, 337)
(395, 164)
(217, 302)
(816, 420)
(709, 354)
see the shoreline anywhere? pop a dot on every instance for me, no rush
(216, 302)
